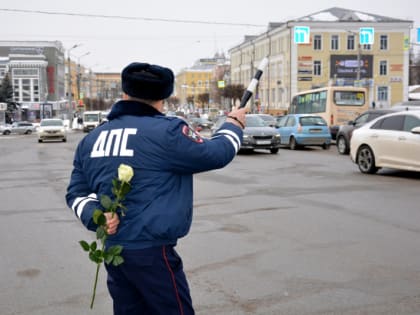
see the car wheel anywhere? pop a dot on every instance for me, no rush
(39, 140)
(274, 151)
(342, 146)
(326, 146)
(292, 143)
(366, 160)
(64, 139)
(6, 132)
(28, 132)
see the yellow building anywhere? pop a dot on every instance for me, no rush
(332, 56)
(196, 80)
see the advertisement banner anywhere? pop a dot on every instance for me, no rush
(346, 66)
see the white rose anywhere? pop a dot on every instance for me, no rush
(125, 173)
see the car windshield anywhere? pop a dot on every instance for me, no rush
(255, 121)
(312, 120)
(52, 123)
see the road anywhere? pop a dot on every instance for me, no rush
(300, 232)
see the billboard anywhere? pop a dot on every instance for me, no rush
(346, 66)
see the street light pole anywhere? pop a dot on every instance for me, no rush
(78, 78)
(69, 73)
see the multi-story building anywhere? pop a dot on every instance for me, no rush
(37, 74)
(333, 56)
(106, 85)
(199, 79)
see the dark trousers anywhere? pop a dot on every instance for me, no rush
(151, 281)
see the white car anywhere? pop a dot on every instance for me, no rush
(52, 129)
(391, 141)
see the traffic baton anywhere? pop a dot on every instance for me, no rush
(251, 87)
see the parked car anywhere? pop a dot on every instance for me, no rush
(18, 127)
(52, 129)
(268, 119)
(256, 135)
(407, 105)
(298, 130)
(345, 131)
(392, 141)
(200, 124)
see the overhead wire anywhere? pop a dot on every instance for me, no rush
(152, 19)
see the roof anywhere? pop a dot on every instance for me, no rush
(336, 14)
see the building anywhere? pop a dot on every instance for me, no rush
(200, 79)
(333, 55)
(37, 74)
(106, 86)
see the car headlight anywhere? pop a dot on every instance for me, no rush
(277, 136)
(246, 137)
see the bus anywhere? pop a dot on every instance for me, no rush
(336, 104)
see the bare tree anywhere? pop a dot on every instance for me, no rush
(233, 91)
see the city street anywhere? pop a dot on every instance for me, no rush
(296, 233)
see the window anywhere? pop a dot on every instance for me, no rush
(383, 42)
(317, 42)
(411, 122)
(390, 123)
(367, 47)
(334, 42)
(361, 120)
(382, 93)
(317, 67)
(290, 122)
(351, 98)
(350, 42)
(26, 90)
(383, 67)
(282, 121)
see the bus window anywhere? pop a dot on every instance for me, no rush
(350, 98)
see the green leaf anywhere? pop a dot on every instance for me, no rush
(84, 245)
(118, 260)
(115, 182)
(108, 258)
(93, 246)
(115, 250)
(106, 202)
(97, 217)
(125, 188)
(100, 233)
(96, 256)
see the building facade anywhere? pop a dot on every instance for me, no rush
(37, 74)
(333, 56)
(201, 78)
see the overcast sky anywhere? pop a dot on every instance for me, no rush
(173, 33)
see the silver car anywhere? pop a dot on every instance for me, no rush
(52, 129)
(18, 127)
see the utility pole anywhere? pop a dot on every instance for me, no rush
(79, 74)
(358, 62)
(69, 75)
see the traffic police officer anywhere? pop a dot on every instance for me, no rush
(164, 153)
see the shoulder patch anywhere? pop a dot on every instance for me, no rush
(191, 134)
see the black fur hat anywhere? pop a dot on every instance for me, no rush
(146, 81)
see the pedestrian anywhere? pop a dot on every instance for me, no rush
(373, 104)
(164, 153)
(80, 121)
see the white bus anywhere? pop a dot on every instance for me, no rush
(336, 104)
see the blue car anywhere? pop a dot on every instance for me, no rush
(299, 130)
